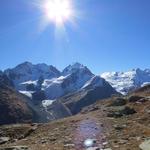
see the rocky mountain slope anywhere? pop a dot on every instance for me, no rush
(124, 82)
(117, 123)
(13, 108)
(88, 95)
(72, 103)
(72, 79)
(28, 72)
(28, 78)
(53, 94)
(48, 83)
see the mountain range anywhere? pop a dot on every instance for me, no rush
(27, 77)
(125, 82)
(52, 94)
(81, 110)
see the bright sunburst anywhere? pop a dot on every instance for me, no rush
(58, 11)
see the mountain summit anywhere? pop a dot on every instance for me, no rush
(76, 67)
(29, 72)
(29, 78)
(124, 82)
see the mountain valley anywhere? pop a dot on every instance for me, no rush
(117, 123)
(44, 108)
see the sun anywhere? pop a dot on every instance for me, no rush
(58, 11)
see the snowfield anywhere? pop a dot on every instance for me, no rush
(27, 93)
(46, 103)
(123, 82)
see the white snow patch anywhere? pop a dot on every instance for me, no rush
(27, 93)
(30, 82)
(95, 81)
(145, 83)
(46, 103)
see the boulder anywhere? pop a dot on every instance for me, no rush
(118, 102)
(127, 111)
(93, 148)
(4, 140)
(124, 111)
(145, 145)
(135, 98)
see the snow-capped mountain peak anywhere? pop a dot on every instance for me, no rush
(30, 72)
(29, 79)
(72, 79)
(123, 82)
(74, 68)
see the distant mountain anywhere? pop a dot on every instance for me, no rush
(124, 82)
(95, 90)
(29, 72)
(72, 103)
(54, 94)
(73, 78)
(76, 67)
(13, 108)
(46, 82)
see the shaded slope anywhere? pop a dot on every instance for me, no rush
(13, 109)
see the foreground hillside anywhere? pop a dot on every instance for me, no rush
(118, 123)
(13, 108)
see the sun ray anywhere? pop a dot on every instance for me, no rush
(58, 11)
(59, 14)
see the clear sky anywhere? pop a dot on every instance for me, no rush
(106, 35)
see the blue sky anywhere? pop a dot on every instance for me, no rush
(109, 35)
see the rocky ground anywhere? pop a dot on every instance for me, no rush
(114, 124)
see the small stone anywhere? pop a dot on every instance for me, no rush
(69, 145)
(117, 127)
(123, 141)
(53, 139)
(93, 148)
(105, 143)
(44, 141)
(138, 138)
(116, 146)
(4, 140)
(89, 142)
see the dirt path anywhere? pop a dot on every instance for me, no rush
(67, 134)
